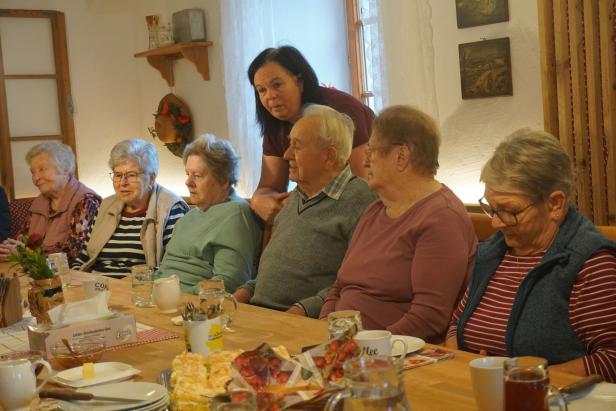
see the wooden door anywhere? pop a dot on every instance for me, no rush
(35, 92)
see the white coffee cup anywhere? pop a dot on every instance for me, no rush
(95, 285)
(378, 342)
(166, 294)
(18, 382)
(487, 377)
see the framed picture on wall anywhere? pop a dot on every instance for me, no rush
(472, 13)
(485, 68)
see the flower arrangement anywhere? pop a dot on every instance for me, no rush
(182, 125)
(31, 257)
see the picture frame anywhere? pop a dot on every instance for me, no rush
(485, 68)
(471, 13)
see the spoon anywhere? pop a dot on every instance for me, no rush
(70, 349)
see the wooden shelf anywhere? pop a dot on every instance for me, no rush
(162, 58)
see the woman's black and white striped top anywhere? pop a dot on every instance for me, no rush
(124, 248)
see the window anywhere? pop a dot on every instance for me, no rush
(366, 52)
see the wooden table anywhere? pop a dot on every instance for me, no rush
(444, 385)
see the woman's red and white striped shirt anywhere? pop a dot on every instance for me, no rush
(592, 310)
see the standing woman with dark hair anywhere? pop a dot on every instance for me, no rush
(284, 82)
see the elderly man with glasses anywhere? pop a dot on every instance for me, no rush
(312, 231)
(544, 284)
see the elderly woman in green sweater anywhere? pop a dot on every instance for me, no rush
(219, 238)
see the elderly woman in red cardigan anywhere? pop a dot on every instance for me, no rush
(63, 210)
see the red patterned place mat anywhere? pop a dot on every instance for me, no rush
(148, 336)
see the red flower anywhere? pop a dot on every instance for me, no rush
(172, 117)
(35, 240)
(184, 119)
(165, 109)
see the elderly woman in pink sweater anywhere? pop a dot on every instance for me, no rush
(63, 210)
(409, 260)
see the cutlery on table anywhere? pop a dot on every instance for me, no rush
(580, 385)
(71, 395)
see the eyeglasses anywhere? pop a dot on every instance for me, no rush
(131, 176)
(509, 218)
(371, 150)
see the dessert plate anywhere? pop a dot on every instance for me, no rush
(154, 397)
(412, 344)
(105, 372)
(601, 397)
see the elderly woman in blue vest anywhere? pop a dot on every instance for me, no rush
(544, 284)
(219, 238)
(134, 225)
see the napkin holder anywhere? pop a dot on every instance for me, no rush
(116, 330)
(10, 302)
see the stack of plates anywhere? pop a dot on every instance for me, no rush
(153, 397)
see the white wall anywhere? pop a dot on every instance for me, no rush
(472, 128)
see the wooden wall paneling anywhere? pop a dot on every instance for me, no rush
(563, 76)
(579, 107)
(607, 11)
(6, 172)
(548, 66)
(595, 112)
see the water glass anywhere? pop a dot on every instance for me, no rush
(343, 322)
(58, 262)
(142, 282)
(372, 383)
(527, 385)
(215, 301)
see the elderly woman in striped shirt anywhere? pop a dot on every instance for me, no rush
(544, 284)
(134, 225)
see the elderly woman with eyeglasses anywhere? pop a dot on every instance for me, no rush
(544, 284)
(134, 225)
(65, 207)
(220, 237)
(411, 254)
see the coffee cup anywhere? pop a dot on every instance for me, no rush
(487, 379)
(378, 343)
(18, 380)
(203, 336)
(166, 294)
(94, 285)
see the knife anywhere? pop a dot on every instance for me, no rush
(581, 384)
(70, 395)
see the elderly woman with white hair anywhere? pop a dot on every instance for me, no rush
(219, 238)
(543, 284)
(62, 212)
(134, 225)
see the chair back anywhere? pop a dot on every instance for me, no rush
(18, 209)
(483, 225)
(608, 230)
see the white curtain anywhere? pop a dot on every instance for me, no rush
(375, 64)
(247, 30)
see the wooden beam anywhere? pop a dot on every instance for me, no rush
(38, 138)
(353, 23)
(29, 76)
(6, 168)
(548, 66)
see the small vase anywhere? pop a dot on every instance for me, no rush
(43, 296)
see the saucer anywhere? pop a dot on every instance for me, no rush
(412, 344)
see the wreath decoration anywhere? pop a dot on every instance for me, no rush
(172, 124)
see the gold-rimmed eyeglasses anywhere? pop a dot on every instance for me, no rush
(131, 176)
(508, 217)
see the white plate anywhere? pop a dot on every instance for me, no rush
(602, 397)
(412, 344)
(105, 372)
(154, 397)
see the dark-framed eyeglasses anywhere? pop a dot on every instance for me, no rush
(509, 218)
(131, 176)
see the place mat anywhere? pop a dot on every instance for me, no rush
(147, 337)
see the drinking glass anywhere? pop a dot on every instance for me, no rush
(343, 322)
(215, 301)
(142, 281)
(372, 384)
(527, 385)
(58, 262)
(235, 400)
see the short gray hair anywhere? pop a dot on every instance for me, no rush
(60, 153)
(218, 155)
(137, 150)
(529, 162)
(336, 129)
(413, 128)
